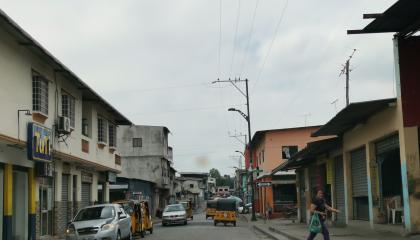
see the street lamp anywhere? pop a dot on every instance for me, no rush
(248, 119)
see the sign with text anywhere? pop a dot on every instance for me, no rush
(39, 143)
(263, 184)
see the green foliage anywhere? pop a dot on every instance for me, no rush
(225, 180)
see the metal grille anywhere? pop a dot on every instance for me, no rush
(68, 108)
(40, 94)
(65, 198)
(339, 190)
(85, 194)
(359, 173)
(112, 135)
(387, 144)
(102, 130)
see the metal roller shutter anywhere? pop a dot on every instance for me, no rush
(339, 190)
(359, 184)
(359, 173)
(387, 144)
(85, 194)
(302, 196)
(65, 198)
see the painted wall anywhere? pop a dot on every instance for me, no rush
(273, 141)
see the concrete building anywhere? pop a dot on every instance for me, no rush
(57, 140)
(192, 186)
(271, 148)
(146, 162)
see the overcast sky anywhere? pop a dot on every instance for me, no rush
(154, 60)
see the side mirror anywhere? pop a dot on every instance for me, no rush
(121, 215)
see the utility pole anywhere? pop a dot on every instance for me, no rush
(346, 70)
(248, 119)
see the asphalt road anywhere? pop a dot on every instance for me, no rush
(201, 229)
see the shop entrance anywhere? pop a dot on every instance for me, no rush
(46, 206)
(20, 205)
(390, 183)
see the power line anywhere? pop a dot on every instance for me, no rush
(185, 110)
(235, 37)
(249, 38)
(272, 43)
(220, 41)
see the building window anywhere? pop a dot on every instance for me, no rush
(137, 142)
(288, 151)
(102, 130)
(112, 135)
(68, 106)
(40, 94)
(85, 127)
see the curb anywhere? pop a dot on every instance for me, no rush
(268, 234)
(283, 233)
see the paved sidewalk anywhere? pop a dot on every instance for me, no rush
(279, 229)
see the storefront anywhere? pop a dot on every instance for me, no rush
(359, 184)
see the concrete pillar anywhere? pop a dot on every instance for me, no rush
(299, 213)
(94, 188)
(32, 204)
(370, 152)
(7, 201)
(105, 191)
(307, 195)
(347, 187)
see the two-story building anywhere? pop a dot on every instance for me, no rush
(57, 139)
(271, 148)
(146, 165)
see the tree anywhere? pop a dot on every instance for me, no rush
(214, 173)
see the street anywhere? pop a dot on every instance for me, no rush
(202, 229)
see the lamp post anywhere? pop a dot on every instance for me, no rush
(247, 117)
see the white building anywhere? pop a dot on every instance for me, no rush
(57, 139)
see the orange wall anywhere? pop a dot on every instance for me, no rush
(273, 141)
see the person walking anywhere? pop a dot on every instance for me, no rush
(320, 207)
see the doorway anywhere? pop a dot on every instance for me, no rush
(20, 205)
(45, 207)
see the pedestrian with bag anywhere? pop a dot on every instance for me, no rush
(319, 210)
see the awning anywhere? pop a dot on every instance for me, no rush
(352, 115)
(402, 18)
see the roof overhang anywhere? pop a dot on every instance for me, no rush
(27, 41)
(402, 18)
(352, 115)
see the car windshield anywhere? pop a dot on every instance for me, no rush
(185, 205)
(174, 208)
(94, 213)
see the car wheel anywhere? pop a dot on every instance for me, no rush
(234, 224)
(186, 222)
(163, 224)
(224, 223)
(192, 217)
(142, 234)
(151, 231)
(215, 223)
(119, 235)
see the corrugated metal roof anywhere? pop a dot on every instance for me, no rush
(403, 18)
(353, 114)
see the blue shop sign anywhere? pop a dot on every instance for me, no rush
(39, 143)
